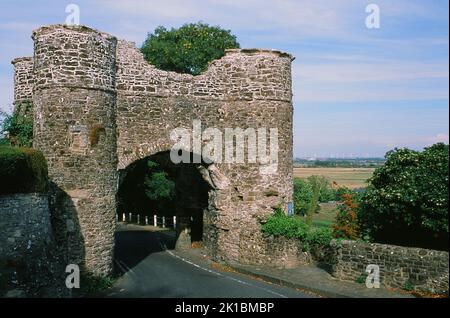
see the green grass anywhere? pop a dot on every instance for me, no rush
(321, 223)
(325, 217)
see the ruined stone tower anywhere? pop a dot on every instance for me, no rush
(99, 107)
(75, 127)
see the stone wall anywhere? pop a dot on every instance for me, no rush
(423, 269)
(244, 89)
(29, 266)
(278, 252)
(23, 85)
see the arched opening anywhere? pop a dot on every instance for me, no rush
(163, 197)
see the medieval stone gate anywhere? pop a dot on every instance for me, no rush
(99, 107)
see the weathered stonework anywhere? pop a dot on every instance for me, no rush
(74, 95)
(423, 269)
(23, 85)
(29, 264)
(88, 84)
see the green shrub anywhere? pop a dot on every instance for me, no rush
(406, 202)
(319, 237)
(279, 224)
(22, 170)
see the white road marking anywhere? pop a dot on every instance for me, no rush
(225, 276)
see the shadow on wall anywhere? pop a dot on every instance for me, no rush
(66, 227)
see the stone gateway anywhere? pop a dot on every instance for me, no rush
(99, 107)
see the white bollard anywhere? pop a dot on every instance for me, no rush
(138, 219)
(155, 220)
(174, 222)
(123, 217)
(164, 221)
(146, 220)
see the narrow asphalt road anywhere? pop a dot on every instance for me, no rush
(153, 272)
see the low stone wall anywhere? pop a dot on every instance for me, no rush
(400, 267)
(279, 252)
(29, 265)
(421, 269)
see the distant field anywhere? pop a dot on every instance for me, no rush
(346, 177)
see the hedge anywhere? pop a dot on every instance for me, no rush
(22, 170)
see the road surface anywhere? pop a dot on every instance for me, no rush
(151, 271)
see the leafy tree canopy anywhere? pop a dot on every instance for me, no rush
(406, 202)
(188, 49)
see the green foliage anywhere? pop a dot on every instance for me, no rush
(157, 185)
(317, 237)
(308, 193)
(188, 49)
(341, 191)
(406, 202)
(361, 279)
(326, 192)
(408, 286)
(18, 128)
(302, 196)
(279, 224)
(92, 285)
(22, 170)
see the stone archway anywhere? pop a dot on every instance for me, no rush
(99, 106)
(191, 201)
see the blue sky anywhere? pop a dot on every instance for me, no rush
(357, 91)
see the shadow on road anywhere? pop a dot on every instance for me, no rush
(134, 244)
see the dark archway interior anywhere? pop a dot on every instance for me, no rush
(189, 200)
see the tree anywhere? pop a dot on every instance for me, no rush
(302, 196)
(157, 186)
(326, 192)
(188, 49)
(314, 203)
(346, 222)
(406, 202)
(17, 129)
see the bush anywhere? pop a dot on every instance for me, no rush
(346, 223)
(22, 170)
(406, 202)
(318, 237)
(279, 224)
(188, 49)
(339, 195)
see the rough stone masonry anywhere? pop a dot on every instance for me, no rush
(99, 106)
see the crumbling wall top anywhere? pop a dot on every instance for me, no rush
(65, 28)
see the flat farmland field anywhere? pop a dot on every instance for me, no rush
(346, 177)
